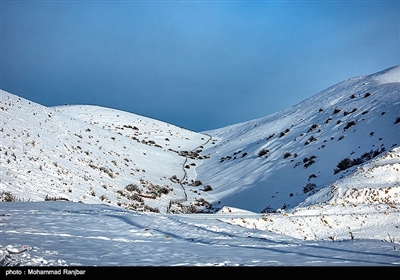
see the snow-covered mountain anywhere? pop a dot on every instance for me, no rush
(277, 161)
(288, 184)
(341, 146)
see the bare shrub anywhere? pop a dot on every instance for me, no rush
(263, 152)
(313, 127)
(309, 161)
(347, 162)
(105, 198)
(309, 140)
(197, 183)
(286, 155)
(156, 190)
(309, 187)
(270, 136)
(133, 188)
(50, 198)
(349, 124)
(6, 196)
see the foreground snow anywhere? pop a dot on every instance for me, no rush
(76, 234)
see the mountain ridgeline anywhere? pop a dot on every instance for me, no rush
(323, 149)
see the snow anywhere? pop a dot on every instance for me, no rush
(96, 186)
(76, 234)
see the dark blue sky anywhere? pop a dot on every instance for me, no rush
(197, 64)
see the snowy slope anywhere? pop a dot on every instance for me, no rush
(286, 185)
(304, 144)
(364, 204)
(47, 153)
(91, 154)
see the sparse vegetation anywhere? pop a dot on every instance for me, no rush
(286, 155)
(105, 198)
(268, 209)
(201, 202)
(270, 136)
(309, 187)
(345, 113)
(189, 209)
(283, 133)
(309, 140)
(54, 198)
(263, 152)
(197, 183)
(391, 239)
(347, 162)
(91, 191)
(156, 190)
(174, 179)
(308, 161)
(313, 127)
(349, 124)
(6, 196)
(312, 176)
(133, 188)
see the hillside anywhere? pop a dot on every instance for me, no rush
(97, 155)
(329, 144)
(276, 162)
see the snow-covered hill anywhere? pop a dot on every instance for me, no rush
(101, 155)
(277, 161)
(92, 155)
(333, 155)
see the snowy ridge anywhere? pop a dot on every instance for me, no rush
(326, 169)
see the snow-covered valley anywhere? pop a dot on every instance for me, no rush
(89, 185)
